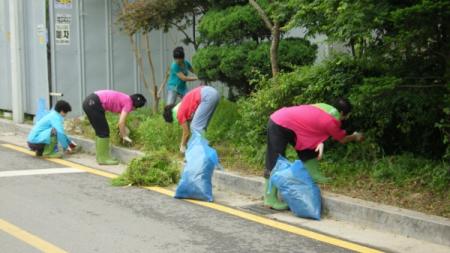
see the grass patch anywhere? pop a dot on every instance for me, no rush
(357, 170)
(403, 180)
(155, 169)
(221, 124)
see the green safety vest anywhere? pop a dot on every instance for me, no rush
(175, 112)
(329, 109)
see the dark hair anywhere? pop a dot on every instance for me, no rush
(138, 100)
(342, 105)
(168, 113)
(63, 106)
(178, 53)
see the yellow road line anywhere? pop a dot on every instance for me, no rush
(224, 209)
(28, 238)
(64, 162)
(273, 223)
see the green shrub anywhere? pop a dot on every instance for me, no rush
(401, 170)
(222, 122)
(151, 133)
(155, 168)
(231, 25)
(155, 134)
(395, 118)
(236, 65)
(114, 134)
(134, 121)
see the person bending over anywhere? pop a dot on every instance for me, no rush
(96, 104)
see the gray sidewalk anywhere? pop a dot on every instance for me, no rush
(337, 207)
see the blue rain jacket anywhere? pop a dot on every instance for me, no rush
(42, 130)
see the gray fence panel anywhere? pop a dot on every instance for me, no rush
(5, 65)
(125, 75)
(124, 68)
(100, 55)
(95, 32)
(35, 46)
(67, 68)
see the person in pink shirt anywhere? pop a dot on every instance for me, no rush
(96, 104)
(305, 127)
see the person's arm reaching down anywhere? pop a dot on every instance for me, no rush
(185, 136)
(122, 127)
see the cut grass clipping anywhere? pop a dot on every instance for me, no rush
(156, 169)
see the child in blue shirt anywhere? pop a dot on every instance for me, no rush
(49, 130)
(179, 70)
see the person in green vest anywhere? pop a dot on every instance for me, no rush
(305, 127)
(194, 112)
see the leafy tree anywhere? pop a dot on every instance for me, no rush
(147, 15)
(238, 46)
(143, 16)
(232, 25)
(274, 14)
(397, 75)
(410, 37)
(236, 65)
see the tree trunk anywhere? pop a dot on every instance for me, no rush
(137, 53)
(153, 86)
(275, 31)
(194, 39)
(164, 82)
(274, 48)
(352, 47)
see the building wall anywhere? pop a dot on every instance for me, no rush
(5, 70)
(100, 56)
(96, 55)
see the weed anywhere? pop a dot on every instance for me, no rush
(150, 170)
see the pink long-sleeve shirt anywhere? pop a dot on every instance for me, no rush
(311, 125)
(115, 101)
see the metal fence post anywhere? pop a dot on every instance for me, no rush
(16, 47)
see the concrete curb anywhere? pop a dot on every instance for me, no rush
(383, 217)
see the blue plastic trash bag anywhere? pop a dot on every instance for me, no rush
(201, 160)
(297, 188)
(41, 110)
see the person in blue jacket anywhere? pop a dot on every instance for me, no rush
(49, 130)
(179, 70)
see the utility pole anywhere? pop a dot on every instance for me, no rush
(16, 47)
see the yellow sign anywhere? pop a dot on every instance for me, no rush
(63, 4)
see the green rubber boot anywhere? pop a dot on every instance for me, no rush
(312, 166)
(102, 152)
(49, 149)
(271, 199)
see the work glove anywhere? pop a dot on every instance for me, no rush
(127, 139)
(72, 145)
(319, 149)
(182, 148)
(72, 148)
(359, 136)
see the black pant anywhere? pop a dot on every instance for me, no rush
(39, 147)
(278, 138)
(96, 115)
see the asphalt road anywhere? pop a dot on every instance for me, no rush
(80, 212)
